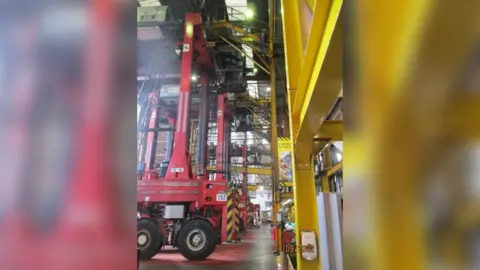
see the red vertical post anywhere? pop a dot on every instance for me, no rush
(220, 134)
(245, 183)
(179, 166)
(245, 180)
(202, 155)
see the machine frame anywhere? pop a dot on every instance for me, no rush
(183, 208)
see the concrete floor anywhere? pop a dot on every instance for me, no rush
(254, 252)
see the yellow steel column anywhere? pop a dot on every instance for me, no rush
(408, 62)
(294, 60)
(314, 79)
(273, 122)
(395, 236)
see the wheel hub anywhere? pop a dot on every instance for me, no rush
(143, 239)
(196, 240)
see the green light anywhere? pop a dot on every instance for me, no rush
(249, 13)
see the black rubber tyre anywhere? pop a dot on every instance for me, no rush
(193, 230)
(148, 229)
(219, 233)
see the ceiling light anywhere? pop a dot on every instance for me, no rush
(249, 14)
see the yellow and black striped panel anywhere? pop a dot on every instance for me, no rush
(237, 216)
(286, 189)
(229, 216)
(285, 184)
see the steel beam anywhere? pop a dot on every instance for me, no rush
(202, 129)
(179, 166)
(246, 55)
(324, 20)
(221, 132)
(321, 79)
(227, 24)
(313, 74)
(273, 122)
(248, 170)
(287, 195)
(333, 170)
(458, 116)
(331, 130)
(151, 141)
(285, 184)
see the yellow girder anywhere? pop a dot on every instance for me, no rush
(409, 54)
(248, 170)
(313, 52)
(330, 130)
(335, 169)
(286, 195)
(246, 36)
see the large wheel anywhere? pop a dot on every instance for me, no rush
(196, 240)
(219, 233)
(149, 239)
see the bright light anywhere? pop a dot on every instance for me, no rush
(255, 70)
(138, 113)
(286, 202)
(249, 13)
(189, 29)
(268, 89)
(194, 78)
(260, 188)
(339, 157)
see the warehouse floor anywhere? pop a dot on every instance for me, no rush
(254, 252)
